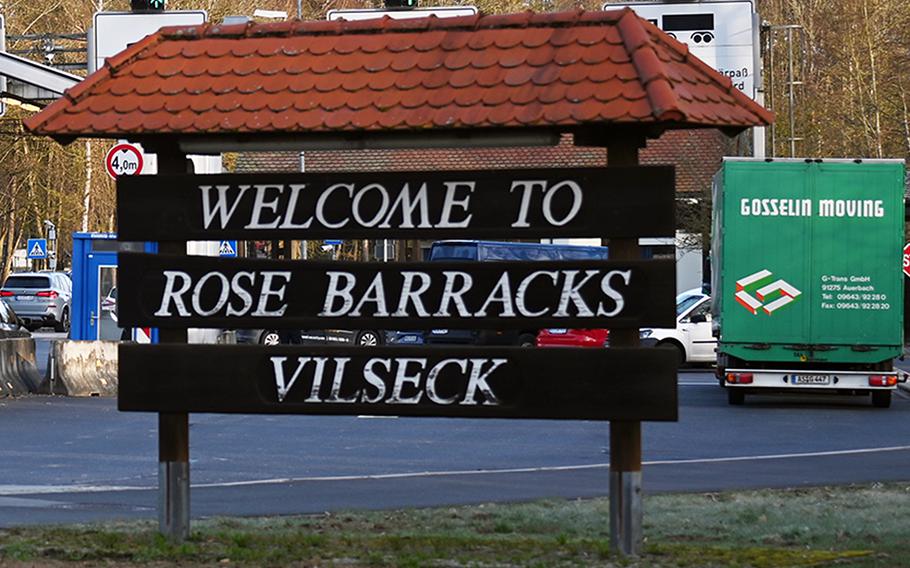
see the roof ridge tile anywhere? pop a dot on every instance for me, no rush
(664, 103)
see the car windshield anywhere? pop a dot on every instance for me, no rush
(686, 303)
(27, 282)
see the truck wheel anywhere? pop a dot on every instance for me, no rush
(736, 397)
(881, 398)
(527, 340)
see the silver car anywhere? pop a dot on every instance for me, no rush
(40, 298)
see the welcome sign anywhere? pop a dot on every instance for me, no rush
(175, 291)
(596, 202)
(590, 384)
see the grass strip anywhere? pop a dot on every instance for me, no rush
(844, 526)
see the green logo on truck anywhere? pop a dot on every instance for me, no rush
(760, 290)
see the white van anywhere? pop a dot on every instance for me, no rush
(692, 336)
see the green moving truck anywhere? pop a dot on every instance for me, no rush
(807, 281)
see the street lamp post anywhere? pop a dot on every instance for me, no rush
(51, 231)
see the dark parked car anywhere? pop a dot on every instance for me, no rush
(10, 324)
(363, 337)
(40, 298)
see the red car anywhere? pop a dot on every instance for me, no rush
(572, 337)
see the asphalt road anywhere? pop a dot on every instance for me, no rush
(72, 460)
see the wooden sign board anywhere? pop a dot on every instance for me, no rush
(194, 291)
(620, 202)
(586, 384)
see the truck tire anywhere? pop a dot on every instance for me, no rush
(527, 340)
(881, 398)
(736, 397)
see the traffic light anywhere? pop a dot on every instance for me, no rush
(147, 5)
(400, 4)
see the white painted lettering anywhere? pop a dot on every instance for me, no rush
(411, 296)
(320, 205)
(384, 195)
(242, 292)
(570, 293)
(450, 202)
(222, 297)
(523, 290)
(478, 382)
(268, 276)
(338, 291)
(548, 203)
(452, 296)
(375, 381)
(527, 187)
(434, 374)
(375, 294)
(335, 394)
(502, 293)
(174, 294)
(288, 222)
(402, 378)
(408, 207)
(260, 205)
(221, 206)
(607, 287)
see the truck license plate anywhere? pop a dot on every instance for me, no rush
(811, 380)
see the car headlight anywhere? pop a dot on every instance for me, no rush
(644, 333)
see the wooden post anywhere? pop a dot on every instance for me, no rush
(625, 437)
(173, 428)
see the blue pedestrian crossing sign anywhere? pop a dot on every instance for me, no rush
(37, 248)
(227, 248)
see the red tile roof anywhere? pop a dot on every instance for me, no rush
(561, 70)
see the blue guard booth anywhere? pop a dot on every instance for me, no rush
(95, 287)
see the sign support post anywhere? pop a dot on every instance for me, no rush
(173, 427)
(625, 436)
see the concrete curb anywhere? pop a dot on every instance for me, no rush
(82, 368)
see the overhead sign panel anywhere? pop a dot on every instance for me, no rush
(588, 384)
(719, 33)
(355, 14)
(178, 291)
(113, 32)
(597, 202)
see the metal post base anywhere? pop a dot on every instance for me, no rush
(625, 513)
(174, 500)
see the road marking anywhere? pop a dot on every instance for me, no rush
(49, 489)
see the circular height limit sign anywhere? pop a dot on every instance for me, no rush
(123, 160)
